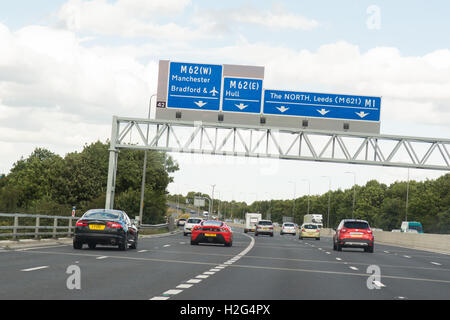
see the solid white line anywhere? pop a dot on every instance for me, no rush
(35, 268)
(184, 286)
(140, 251)
(173, 292)
(102, 257)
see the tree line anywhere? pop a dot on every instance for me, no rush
(381, 205)
(46, 183)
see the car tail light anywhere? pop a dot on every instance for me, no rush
(343, 230)
(303, 229)
(113, 225)
(224, 229)
(369, 231)
(271, 228)
(81, 223)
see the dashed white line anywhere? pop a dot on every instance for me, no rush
(172, 292)
(184, 286)
(34, 269)
(339, 259)
(102, 257)
(209, 272)
(141, 251)
(436, 263)
(378, 284)
(202, 276)
(159, 298)
(353, 268)
(166, 245)
(194, 281)
(407, 257)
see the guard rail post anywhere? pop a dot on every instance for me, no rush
(55, 224)
(36, 230)
(70, 227)
(16, 225)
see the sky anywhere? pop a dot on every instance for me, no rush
(68, 66)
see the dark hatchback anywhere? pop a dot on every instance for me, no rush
(105, 227)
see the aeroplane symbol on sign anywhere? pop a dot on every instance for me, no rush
(214, 91)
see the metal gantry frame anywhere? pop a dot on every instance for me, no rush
(272, 142)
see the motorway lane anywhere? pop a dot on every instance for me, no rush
(269, 268)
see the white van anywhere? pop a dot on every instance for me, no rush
(251, 220)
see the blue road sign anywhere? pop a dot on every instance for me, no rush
(321, 105)
(194, 86)
(242, 95)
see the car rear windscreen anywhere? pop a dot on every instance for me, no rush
(356, 225)
(265, 223)
(101, 215)
(194, 220)
(310, 226)
(289, 225)
(212, 224)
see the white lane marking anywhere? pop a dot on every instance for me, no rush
(436, 263)
(182, 242)
(209, 272)
(140, 251)
(46, 247)
(328, 252)
(221, 267)
(202, 276)
(166, 245)
(407, 257)
(386, 251)
(172, 292)
(184, 286)
(215, 269)
(159, 298)
(378, 284)
(228, 262)
(102, 257)
(353, 268)
(194, 281)
(35, 268)
(339, 259)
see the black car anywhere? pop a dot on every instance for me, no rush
(106, 227)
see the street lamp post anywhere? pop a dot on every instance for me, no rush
(309, 191)
(329, 200)
(295, 191)
(144, 168)
(354, 192)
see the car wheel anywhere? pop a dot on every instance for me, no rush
(92, 245)
(271, 235)
(338, 247)
(185, 234)
(194, 243)
(317, 238)
(281, 233)
(77, 245)
(123, 245)
(135, 243)
(369, 249)
(334, 246)
(256, 234)
(229, 244)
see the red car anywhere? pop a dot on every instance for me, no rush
(353, 233)
(211, 231)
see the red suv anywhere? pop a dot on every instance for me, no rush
(355, 234)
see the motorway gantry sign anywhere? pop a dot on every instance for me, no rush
(321, 105)
(242, 95)
(194, 86)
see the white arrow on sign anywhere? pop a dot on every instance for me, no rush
(361, 114)
(241, 106)
(200, 103)
(282, 109)
(323, 111)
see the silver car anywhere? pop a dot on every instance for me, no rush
(191, 223)
(288, 228)
(264, 227)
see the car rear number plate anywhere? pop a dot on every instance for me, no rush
(96, 227)
(210, 234)
(356, 234)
